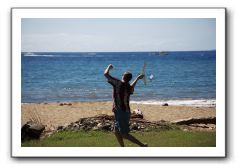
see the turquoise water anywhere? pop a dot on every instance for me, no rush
(58, 76)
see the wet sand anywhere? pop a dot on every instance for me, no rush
(55, 114)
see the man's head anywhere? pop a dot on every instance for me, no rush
(127, 76)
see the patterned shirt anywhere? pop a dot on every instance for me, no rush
(121, 93)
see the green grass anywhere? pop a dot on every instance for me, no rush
(155, 138)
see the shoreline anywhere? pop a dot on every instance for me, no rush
(177, 102)
(57, 113)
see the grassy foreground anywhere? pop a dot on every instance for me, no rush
(166, 138)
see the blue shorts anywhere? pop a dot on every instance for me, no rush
(122, 121)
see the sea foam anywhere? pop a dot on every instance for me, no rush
(39, 55)
(195, 103)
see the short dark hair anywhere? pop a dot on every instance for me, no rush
(127, 76)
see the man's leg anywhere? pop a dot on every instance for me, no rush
(134, 140)
(119, 138)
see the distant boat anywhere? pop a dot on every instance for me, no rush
(161, 53)
(29, 54)
(91, 53)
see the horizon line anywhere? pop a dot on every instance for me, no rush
(116, 51)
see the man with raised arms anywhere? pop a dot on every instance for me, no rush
(121, 95)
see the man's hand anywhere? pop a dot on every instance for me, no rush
(135, 81)
(141, 76)
(110, 66)
(106, 72)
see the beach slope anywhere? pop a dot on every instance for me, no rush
(55, 114)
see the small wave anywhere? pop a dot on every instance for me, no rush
(194, 103)
(25, 103)
(39, 55)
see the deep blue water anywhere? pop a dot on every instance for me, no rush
(51, 77)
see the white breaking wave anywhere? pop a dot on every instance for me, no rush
(38, 55)
(195, 103)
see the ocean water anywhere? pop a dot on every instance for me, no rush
(65, 77)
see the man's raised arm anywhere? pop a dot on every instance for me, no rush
(111, 80)
(106, 72)
(133, 84)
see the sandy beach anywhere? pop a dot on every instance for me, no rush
(55, 114)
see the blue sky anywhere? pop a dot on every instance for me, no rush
(118, 34)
